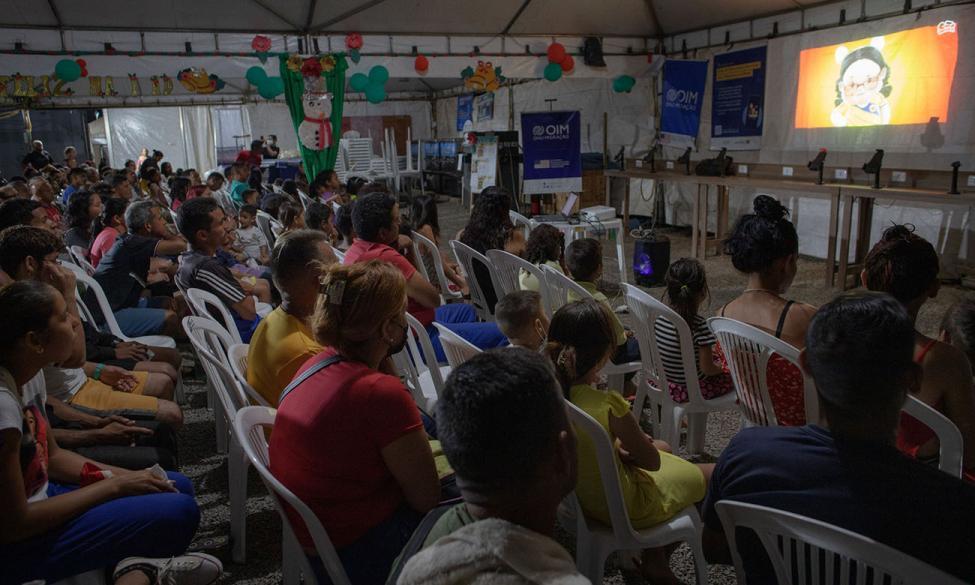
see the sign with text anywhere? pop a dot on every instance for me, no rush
(552, 151)
(738, 99)
(465, 113)
(683, 97)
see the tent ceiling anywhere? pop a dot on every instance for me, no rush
(648, 18)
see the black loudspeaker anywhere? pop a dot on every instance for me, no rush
(592, 52)
(651, 259)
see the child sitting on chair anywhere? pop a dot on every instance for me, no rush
(687, 290)
(522, 320)
(250, 239)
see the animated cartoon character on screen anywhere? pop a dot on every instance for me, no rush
(315, 130)
(863, 86)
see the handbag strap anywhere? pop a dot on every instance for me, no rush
(319, 366)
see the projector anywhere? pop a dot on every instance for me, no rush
(598, 213)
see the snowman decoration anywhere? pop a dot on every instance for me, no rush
(315, 130)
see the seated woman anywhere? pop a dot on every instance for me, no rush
(905, 265)
(107, 227)
(490, 228)
(546, 245)
(426, 222)
(50, 528)
(348, 439)
(84, 208)
(765, 246)
(656, 485)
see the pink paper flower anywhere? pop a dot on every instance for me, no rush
(261, 44)
(311, 67)
(353, 41)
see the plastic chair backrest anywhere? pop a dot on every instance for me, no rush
(79, 255)
(418, 342)
(828, 554)
(561, 288)
(211, 343)
(466, 256)
(952, 444)
(508, 269)
(424, 245)
(646, 310)
(264, 220)
(747, 351)
(457, 349)
(103, 305)
(339, 255)
(520, 220)
(203, 303)
(237, 358)
(249, 428)
(608, 472)
(305, 200)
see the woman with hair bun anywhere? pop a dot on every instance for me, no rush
(765, 246)
(905, 266)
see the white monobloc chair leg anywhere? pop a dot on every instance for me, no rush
(237, 464)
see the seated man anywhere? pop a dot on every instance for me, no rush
(123, 273)
(376, 219)
(504, 430)
(19, 211)
(284, 340)
(522, 320)
(846, 470)
(201, 221)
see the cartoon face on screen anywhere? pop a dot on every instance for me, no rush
(862, 87)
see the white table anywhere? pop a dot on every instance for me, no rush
(584, 229)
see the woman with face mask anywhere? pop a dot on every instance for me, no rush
(348, 438)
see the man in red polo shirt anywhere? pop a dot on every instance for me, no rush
(376, 220)
(251, 157)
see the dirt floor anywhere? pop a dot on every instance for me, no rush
(208, 470)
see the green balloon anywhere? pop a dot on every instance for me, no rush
(379, 75)
(67, 70)
(553, 72)
(277, 84)
(256, 75)
(375, 93)
(358, 82)
(623, 84)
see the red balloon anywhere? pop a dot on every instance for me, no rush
(81, 62)
(421, 64)
(568, 64)
(556, 53)
(84, 72)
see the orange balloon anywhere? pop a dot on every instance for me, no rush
(421, 64)
(556, 53)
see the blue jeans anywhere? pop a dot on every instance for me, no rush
(154, 525)
(368, 560)
(462, 320)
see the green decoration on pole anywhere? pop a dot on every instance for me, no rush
(553, 72)
(316, 161)
(67, 70)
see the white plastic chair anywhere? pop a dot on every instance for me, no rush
(249, 427)
(654, 385)
(423, 244)
(202, 303)
(595, 541)
(560, 289)
(466, 256)
(339, 255)
(237, 358)
(787, 538)
(521, 221)
(264, 220)
(951, 443)
(79, 255)
(747, 351)
(508, 268)
(418, 364)
(457, 349)
(108, 315)
(210, 341)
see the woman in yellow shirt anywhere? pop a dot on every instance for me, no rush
(656, 485)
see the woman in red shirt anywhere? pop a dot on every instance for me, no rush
(348, 439)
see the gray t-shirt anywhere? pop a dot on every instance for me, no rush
(27, 415)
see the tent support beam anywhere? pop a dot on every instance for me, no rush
(56, 13)
(311, 13)
(516, 16)
(658, 32)
(276, 14)
(347, 14)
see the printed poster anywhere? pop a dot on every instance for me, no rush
(551, 142)
(465, 112)
(738, 99)
(484, 104)
(484, 163)
(683, 96)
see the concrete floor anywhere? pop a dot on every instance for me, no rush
(208, 470)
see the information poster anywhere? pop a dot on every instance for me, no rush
(465, 113)
(484, 163)
(484, 104)
(551, 142)
(683, 97)
(738, 99)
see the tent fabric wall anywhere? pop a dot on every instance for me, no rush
(185, 135)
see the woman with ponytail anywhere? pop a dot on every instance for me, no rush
(687, 290)
(764, 246)
(905, 266)
(107, 227)
(656, 485)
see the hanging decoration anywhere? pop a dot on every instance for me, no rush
(421, 64)
(109, 88)
(553, 72)
(67, 70)
(23, 85)
(316, 104)
(353, 42)
(261, 45)
(161, 85)
(623, 84)
(197, 81)
(487, 77)
(373, 85)
(267, 87)
(95, 86)
(134, 89)
(559, 62)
